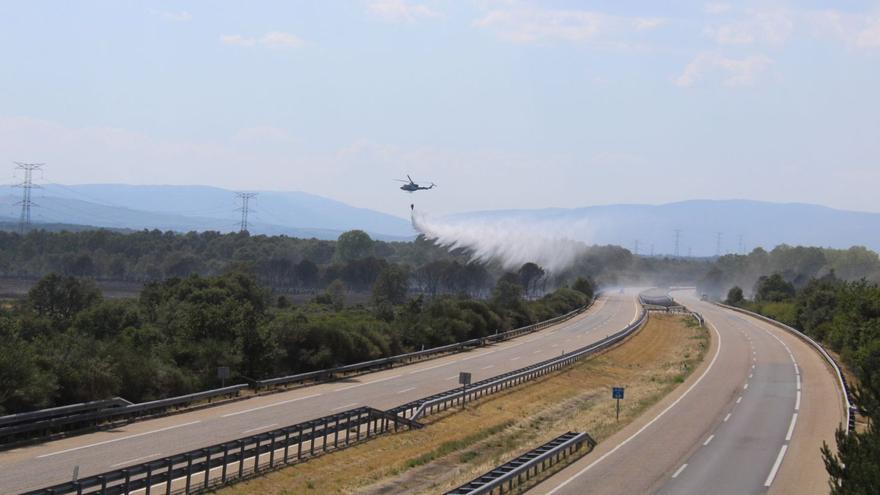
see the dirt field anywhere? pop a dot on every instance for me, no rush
(458, 446)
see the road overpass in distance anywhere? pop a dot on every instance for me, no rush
(750, 420)
(48, 463)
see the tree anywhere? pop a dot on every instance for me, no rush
(585, 286)
(855, 468)
(336, 294)
(529, 274)
(773, 289)
(354, 245)
(391, 286)
(307, 273)
(60, 298)
(735, 296)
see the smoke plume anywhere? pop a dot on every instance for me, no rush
(510, 241)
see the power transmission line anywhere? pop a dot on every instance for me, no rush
(24, 222)
(245, 198)
(742, 245)
(717, 243)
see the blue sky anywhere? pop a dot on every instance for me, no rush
(504, 104)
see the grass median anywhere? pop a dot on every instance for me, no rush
(457, 446)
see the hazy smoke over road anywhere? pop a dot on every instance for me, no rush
(512, 242)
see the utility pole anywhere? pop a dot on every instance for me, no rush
(717, 243)
(24, 222)
(677, 239)
(245, 198)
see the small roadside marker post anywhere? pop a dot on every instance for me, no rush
(464, 378)
(617, 393)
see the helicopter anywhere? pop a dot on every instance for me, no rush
(411, 186)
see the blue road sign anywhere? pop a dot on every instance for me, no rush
(616, 392)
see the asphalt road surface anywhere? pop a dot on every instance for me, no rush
(749, 420)
(50, 463)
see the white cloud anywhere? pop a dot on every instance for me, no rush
(764, 27)
(521, 23)
(856, 30)
(716, 8)
(274, 39)
(870, 36)
(732, 71)
(401, 11)
(174, 16)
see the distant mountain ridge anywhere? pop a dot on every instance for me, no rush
(199, 208)
(759, 223)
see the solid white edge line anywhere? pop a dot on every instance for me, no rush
(791, 427)
(112, 440)
(797, 402)
(776, 465)
(656, 418)
(679, 470)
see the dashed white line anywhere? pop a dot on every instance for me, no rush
(383, 379)
(746, 386)
(798, 377)
(791, 427)
(677, 472)
(105, 442)
(451, 377)
(739, 399)
(269, 405)
(346, 406)
(537, 351)
(708, 440)
(487, 366)
(429, 368)
(406, 390)
(142, 458)
(797, 401)
(515, 358)
(260, 428)
(776, 465)
(727, 417)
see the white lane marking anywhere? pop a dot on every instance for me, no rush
(738, 400)
(105, 442)
(797, 401)
(348, 387)
(796, 370)
(260, 428)
(269, 405)
(656, 418)
(406, 390)
(753, 366)
(142, 458)
(383, 379)
(515, 358)
(451, 377)
(708, 440)
(776, 465)
(555, 345)
(750, 375)
(537, 351)
(429, 368)
(677, 472)
(476, 356)
(791, 427)
(798, 381)
(746, 386)
(344, 406)
(487, 366)
(727, 417)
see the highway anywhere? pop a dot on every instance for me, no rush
(749, 420)
(54, 462)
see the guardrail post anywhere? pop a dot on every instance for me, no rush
(169, 476)
(189, 463)
(286, 444)
(127, 481)
(148, 480)
(225, 462)
(241, 459)
(257, 456)
(207, 468)
(299, 443)
(324, 435)
(272, 452)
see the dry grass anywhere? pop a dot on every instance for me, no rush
(458, 446)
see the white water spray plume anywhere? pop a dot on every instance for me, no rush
(510, 241)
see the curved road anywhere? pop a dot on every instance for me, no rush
(750, 420)
(45, 464)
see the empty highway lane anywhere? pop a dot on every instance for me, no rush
(54, 462)
(751, 419)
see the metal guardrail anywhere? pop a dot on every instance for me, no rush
(418, 355)
(442, 401)
(526, 465)
(83, 419)
(42, 420)
(841, 379)
(229, 462)
(59, 411)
